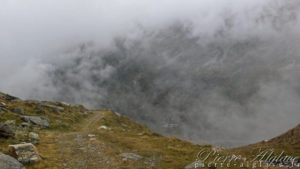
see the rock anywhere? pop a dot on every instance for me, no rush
(3, 110)
(131, 156)
(11, 123)
(141, 134)
(25, 125)
(66, 104)
(36, 120)
(25, 153)
(56, 108)
(218, 149)
(6, 131)
(2, 104)
(118, 114)
(8, 162)
(34, 137)
(18, 110)
(190, 166)
(102, 127)
(20, 133)
(91, 135)
(58, 121)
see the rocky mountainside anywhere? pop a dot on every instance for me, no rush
(42, 134)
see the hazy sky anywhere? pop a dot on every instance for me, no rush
(32, 30)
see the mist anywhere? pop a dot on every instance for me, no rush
(218, 72)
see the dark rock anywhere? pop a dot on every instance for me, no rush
(25, 125)
(25, 153)
(8, 162)
(18, 110)
(3, 110)
(36, 121)
(6, 131)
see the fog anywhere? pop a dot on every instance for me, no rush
(209, 71)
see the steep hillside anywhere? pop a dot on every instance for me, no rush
(80, 138)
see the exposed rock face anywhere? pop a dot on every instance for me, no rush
(25, 153)
(7, 162)
(36, 120)
(6, 131)
(131, 156)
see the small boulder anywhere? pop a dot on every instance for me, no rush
(6, 131)
(131, 156)
(25, 126)
(8, 162)
(11, 123)
(25, 153)
(56, 108)
(36, 121)
(102, 128)
(2, 104)
(34, 137)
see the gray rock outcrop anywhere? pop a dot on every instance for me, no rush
(36, 120)
(6, 131)
(8, 162)
(25, 153)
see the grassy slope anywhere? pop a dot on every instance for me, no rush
(123, 135)
(67, 144)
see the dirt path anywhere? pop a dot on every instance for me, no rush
(80, 149)
(90, 121)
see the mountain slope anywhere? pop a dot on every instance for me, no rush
(81, 138)
(75, 137)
